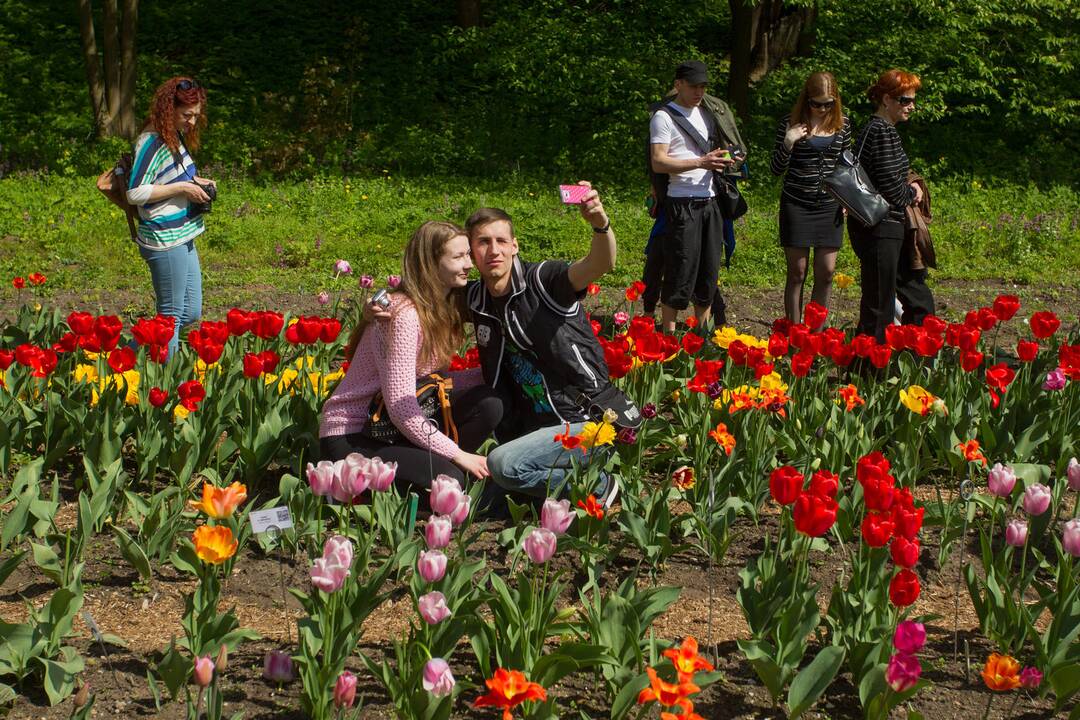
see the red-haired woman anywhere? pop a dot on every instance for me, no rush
(165, 186)
(887, 273)
(809, 141)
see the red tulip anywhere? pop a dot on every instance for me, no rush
(238, 321)
(904, 588)
(737, 352)
(878, 493)
(191, 393)
(814, 514)
(863, 344)
(797, 335)
(908, 519)
(210, 352)
(122, 360)
(785, 484)
(904, 552)
(934, 325)
(1044, 324)
(68, 342)
(986, 319)
(877, 529)
(107, 329)
(158, 396)
(1005, 307)
(896, 337)
(778, 345)
(928, 345)
(81, 323)
(216, 332)
(6, 358)
(814, 315)
(801, 363)
(641, 326)
(45, 362)
(970, 360)
(824, 483)
(18, 283)
(692, 343)
(269, 360)
(331, 328)
(36, 278)
(26, 354)
(879, 356)
(1026, 350)
(267, 324)
(999, 376)
(842, 354)
(253, 366)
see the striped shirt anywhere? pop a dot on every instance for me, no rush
(163, 224)
(806, 167)
(882, 154)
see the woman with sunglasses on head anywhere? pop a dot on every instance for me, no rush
(809, 141)
(172, 198)
(887, 272)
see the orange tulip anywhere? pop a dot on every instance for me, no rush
(220, 503)
(686, 660)
(214, 544)
(568, 441)
(970, 451)
(723, 438)
(591, 507)
(1002, 672)
(665, 693)
(507, 689)
(851, 398)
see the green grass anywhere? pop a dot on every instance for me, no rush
(286, 236)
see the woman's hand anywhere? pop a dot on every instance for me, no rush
(794, 134)
(473, 464)
(193, 192)
(372, 312)
(918, 193)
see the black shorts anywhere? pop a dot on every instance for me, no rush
(693, 244)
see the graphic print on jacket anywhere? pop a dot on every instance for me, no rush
(528, 379)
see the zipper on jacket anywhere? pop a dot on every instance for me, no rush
(581, 362)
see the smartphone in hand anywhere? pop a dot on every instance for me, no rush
(573, 194)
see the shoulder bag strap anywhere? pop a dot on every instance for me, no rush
(686, 126)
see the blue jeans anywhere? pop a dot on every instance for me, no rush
(177, 282)
(534, 464)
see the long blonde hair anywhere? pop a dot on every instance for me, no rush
(442, 318)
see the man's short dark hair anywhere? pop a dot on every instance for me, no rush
(486, 216)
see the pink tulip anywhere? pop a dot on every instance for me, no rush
(343, 267)
(433, 607)
(431, 565)
(1001, 480)
(1031, 678)
(902, 672)
(438, 680)
(1055, 380)
(321, 477)
(277, 666)
(446, 495)
(556, 515)
(367, 282)
(393, 280)
(461, 514)
(621, 318)
(540, 545)
(345, 690)
(438, 531)
(1073, 473)
(204, 671)
(909, 637)
(340, 549)
(1070, 537)
(328, 573)
(1016, 532)
(354, 475)
(324, 298)
(381, 474)
(1037, 499)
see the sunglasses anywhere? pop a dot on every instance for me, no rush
(185, 85)
(905, 100)
(821, 105)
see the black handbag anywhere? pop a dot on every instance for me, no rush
(731, 202)
(433, 396)
(852, 188)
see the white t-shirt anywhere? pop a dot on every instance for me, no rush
(663, 130)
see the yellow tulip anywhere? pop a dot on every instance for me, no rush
(593, 434)
(918, 399)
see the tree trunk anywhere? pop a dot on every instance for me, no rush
(110, 36)
(129, 25)
(90, 60)
(742, 21)
(468, 13)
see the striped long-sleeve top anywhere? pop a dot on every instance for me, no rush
(805, 167)
(882, 155)
(166, 223)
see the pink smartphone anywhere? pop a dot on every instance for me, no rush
(573, 194)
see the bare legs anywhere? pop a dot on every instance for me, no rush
(824, 267)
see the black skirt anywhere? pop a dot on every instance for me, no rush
(811, 227)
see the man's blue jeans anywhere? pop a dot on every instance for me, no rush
(535, 464)
(177, 282)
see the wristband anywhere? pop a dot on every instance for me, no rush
(603, 229)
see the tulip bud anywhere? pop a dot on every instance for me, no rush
(1016, 533)
(556, 515)
(1073, 473)
(438, 680)
(1037, 499)
(433, 607)
(1000, 480)
(345, 690)
(204, 671)
(438, 532)
(1070, 537)
(431, 565)
(222, 661)
(540, 545)
(909, 637)
(82, 696)
(902, 672)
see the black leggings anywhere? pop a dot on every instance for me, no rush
(885, 260)
(476, 413)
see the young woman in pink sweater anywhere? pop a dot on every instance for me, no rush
(425, 328)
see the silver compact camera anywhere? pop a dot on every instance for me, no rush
(381, 298)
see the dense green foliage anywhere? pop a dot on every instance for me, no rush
(548, 88)
(286, 236)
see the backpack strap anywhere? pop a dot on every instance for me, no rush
(704, 146)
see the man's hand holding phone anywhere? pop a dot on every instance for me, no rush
(587, 200)
(718, 159)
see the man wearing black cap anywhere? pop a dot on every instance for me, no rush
(692, 136)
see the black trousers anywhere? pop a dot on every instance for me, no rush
(885, 261)
(476, 413)
(692, 246)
